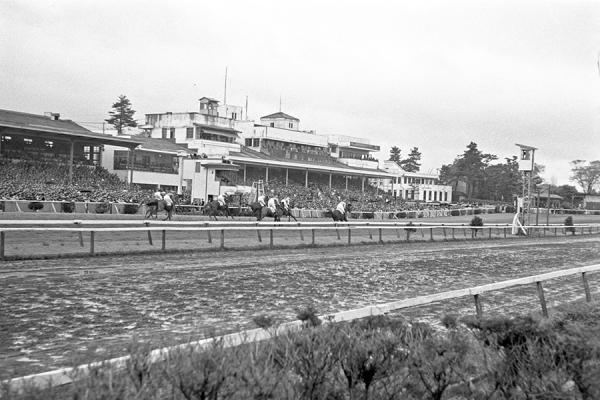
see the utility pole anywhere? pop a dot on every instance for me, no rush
(225, 92)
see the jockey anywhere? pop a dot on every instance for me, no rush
(341, 207)
(261, 200)
(272, 204)
(221, 200)
(286, 203)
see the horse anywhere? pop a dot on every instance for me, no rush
(153, 206)
(261, 212)
(338, 216)
(287, 212)
(214, 208)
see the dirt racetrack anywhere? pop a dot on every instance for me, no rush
(68, 311)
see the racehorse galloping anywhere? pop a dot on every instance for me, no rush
(153, 207)
(340, 213)
(260, 212)
(215, 208)
(286, 209)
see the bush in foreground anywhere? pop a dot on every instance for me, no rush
(376, 358)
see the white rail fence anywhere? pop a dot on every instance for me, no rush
(65, 375)
(426, 231)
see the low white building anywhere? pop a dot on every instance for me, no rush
(415, 186)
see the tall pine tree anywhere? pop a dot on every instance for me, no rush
(121, 115)
(395, 154)
(411, 163)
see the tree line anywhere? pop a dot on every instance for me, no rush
(481, 176)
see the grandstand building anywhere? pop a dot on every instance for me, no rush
(415, 186)
(227, 153)
(48, 138)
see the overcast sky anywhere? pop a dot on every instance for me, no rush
(431, 74)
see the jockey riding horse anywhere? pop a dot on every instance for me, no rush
(341, 211)
(218, 207)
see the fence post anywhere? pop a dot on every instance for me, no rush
(2, 240)
(271, 238)
(150, 238)
(540, 290)
(338, 232)
(301, 233)
(586, 287)
(453, 238)
(380, 235)
(222, 239)
(313, 236)
(349, 235)
(209, 234)
(431, 234)
(490, 232)
(478, 306)
(80, 239)
(164, 240)
(258, 234)
(444, 230)
(91, 242)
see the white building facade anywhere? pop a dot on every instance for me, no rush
(415, 186)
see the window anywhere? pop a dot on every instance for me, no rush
(233, 115)
(272, 124)
(189, 133)
(256, 142)
(291, 125)
(164, 133)
(248, 142)
(172, 133)
(49, 144)
(27, 141)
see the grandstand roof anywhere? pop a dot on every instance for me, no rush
(57, 128)
(162, 146)
(247, 156)
(280, 115)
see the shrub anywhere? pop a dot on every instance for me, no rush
(68, 207)
(569, 225)
(308, 315)
(2, 206)
(368, 215)
(35, 206)
(410, 230)
(477, 211)
(401, 214)
(130, 208)
(476, 221)
(102, 208)
(454, 213)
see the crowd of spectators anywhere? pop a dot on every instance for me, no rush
(42, 180)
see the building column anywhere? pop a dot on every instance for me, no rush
(363, 184)
(287, 173)
(346, 182)
(244, 173)
(266, 174)
(393, 194)
(180, 186)
(131, 162)
(71, 153)
(306, 179)
(330, 180)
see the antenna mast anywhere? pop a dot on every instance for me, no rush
(225, 92)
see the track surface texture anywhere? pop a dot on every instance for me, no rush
(65, 312)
